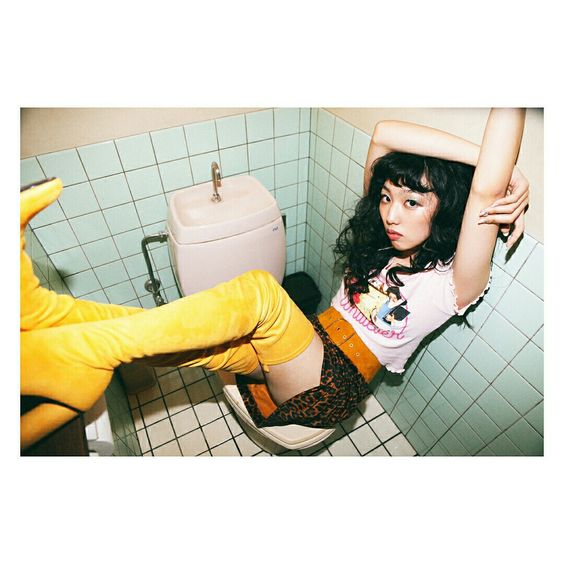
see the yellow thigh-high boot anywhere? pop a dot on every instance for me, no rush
(42, 308)
(70, 347)
(39, 307)
(228, 327)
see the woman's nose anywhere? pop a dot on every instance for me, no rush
(393, 215)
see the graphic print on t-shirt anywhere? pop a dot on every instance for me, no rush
(383, 306)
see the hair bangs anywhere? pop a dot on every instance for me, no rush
(410, 171)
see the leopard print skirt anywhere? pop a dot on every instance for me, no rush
(340, 390)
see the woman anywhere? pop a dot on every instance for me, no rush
(314, 371)
(429, 241)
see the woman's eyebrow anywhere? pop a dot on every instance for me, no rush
(403, 188)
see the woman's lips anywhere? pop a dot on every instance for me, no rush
(393, 235)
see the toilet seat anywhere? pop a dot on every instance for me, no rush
(292, 437)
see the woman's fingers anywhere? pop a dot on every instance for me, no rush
(519, 229)
(509, 212)
(505, 205)
(508, 217)
(510, 198)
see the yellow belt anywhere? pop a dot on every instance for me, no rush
(344, 336)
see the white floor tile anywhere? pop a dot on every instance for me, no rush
(315, 450)
(170, 449)
(246, 446)
(343, 447)
(160, 370)
(170, 382)
(380, 451)
(233, 424)
(200, 391)
(149, 394)
(211, 424)
(399, 446)
(160, 433)
(215, 382)
(370, 408)
(154, 411)
(143, 440)
(177, 401)
(335, 436)
(191, 375)
(364, 439)
(216, 432)
(137, 419)
(226, 449)
(184, 421)
(223, 405)
(353, 422)
(192, 443)
(207, 412)
(384, 427)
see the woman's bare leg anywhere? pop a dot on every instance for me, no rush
(286, 380)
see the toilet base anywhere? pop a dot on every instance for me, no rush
(271, 439)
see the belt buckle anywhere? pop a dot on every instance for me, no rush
(342, 331)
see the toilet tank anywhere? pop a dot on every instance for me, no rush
(211, 242)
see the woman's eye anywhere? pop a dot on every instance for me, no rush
(412, 203)
(384, 198)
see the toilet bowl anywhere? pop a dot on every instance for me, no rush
(271, 439)
(213, 241)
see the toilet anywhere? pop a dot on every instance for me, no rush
(213, 241)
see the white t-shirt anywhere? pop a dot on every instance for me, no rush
(393, 320)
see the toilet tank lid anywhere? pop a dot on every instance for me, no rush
(246, 205)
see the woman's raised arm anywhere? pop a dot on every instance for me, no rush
(496, 161)
(408, 137)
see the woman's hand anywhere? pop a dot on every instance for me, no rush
(509, 211)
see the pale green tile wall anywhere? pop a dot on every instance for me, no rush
(43, 266)
(467, 391)
(124, 434)
(117, 191)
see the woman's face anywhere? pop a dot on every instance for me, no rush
(406, 216)
(392, 297)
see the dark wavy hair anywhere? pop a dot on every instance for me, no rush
(363, 248)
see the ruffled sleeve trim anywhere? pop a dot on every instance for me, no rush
(462, 310)
(393, 370)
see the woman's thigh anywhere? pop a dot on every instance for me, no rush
(297, 375)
